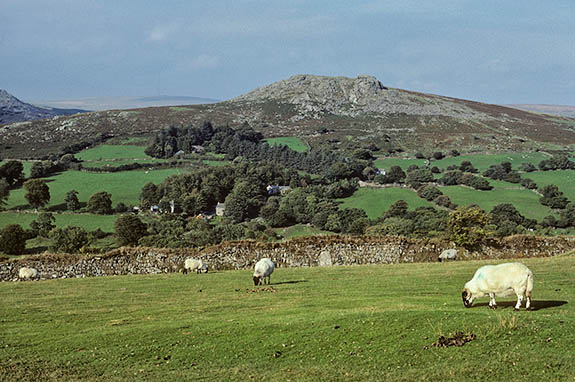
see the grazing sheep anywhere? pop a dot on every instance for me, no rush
(500, 280)
(26, 273)
(264, 268)
(448, 254)
(195, 265)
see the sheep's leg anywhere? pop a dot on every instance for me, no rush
(492, 303)
(528, 303)
(519, 301)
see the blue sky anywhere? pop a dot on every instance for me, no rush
(490, 51)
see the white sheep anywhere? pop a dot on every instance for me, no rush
(500, 280)
(264, 268)
(26, 273)
(195, 265)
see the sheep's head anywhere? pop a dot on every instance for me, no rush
(467, 298)
(257, 280)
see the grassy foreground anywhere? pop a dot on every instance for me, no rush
(339, 323)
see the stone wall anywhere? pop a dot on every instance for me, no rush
(302, 252)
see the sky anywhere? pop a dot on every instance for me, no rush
(491, 51)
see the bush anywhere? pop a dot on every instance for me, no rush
(438, 155)
(43, 224)
(13, 239)
(100, 203)
(527, 167)
(130, 229)
(69, 240)
(467, 226)
(552, 197)
(429, 192)
(444, 201)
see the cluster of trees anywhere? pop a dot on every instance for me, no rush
(557, 162)
(246, 143)
(454, 177)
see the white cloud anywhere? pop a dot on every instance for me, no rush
(202, 61)
(163, 32)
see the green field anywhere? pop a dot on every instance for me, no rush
(564, 179)
(120, 162)
(376, 201)
(526, 201)
(353, 323)
(89, 222)
(299, 230)
(124, 186)
(113, 152)
(293, 143)
(479, 161)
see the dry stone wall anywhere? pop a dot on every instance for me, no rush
(302, 252)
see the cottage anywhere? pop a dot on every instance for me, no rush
(220, 209)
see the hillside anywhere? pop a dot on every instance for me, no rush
(337, 111)
(13, 110)
(561, 110)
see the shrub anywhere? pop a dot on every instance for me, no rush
(43, 224)
(552, 197)
(467, 226)
(70, 239)
(429, 192)
(130, 229)
(527, 167)
(100, 203)
(438, 155)
(13, 239)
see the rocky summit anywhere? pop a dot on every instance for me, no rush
(13, 110)
(337, 112)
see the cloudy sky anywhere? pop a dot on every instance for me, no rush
(490, 51)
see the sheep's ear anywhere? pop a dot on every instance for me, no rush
(464, 294)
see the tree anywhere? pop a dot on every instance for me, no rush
(420, 175)
(244, 202)
(130, 229)
(4, 192)
(12, 171)
(552, 197)
(70, 239)
(13, 239)
(38, 193)
(43, 224)
(149, 195)
(395, 175)
(397, 209)
(72, 201)
(468, 226)
(429, 192)
(100, 203)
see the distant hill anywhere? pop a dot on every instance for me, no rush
(13, 110)
(562, 110)
(118, 103)
(336, 112)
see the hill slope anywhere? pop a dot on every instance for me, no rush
(562, 110)
(13, 110)
(337, 111)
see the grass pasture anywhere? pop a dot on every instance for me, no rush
(102, 152)
(293, 143)
(355, 323)
(564, 179)
(376, 201)
(526, 201)
(89, 222)
(125, 186)
(479, 161)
